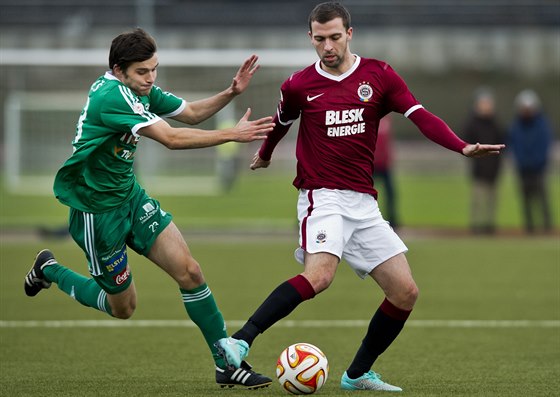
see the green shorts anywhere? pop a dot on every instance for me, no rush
(104, 238)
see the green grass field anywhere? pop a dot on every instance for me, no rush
(266, 200)
(487, 322)
(508, 287)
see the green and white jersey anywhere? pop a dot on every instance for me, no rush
(99, 175)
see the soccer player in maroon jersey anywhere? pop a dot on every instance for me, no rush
(340, 100)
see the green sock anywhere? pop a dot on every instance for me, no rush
(203, 311)
(84, 290)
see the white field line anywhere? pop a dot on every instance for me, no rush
(284, 324)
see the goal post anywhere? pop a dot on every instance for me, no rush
(43, 105)
(39, 130)
(35, 138)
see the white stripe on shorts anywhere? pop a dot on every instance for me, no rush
(89, 241)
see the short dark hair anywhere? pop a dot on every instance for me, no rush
(328, 11)
(129, 47)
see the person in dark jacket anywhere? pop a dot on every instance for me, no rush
(383, 167)
(481, 126)
(530, 142)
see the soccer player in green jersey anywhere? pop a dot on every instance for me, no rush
(109, 210)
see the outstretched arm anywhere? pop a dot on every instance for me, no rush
(438, 131)
(198, 111)
(193, 138)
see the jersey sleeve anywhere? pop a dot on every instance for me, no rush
(287, 112)
(398, 97)
(289, 108)
(123, 111)
(437, 130)
(165, 104)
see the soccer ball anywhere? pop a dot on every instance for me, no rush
(302, 368)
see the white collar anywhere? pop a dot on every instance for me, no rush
(343, 75)
(110, 76)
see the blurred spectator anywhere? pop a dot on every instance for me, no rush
(530, 141)
(228, 160)
(382, 167)
(228, 165)
(482, 126)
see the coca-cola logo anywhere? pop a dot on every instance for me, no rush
(122, 277)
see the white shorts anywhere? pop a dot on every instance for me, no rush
(347, 224)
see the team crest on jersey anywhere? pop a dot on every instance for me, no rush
(138, 108)
(365, 92)
(321, 237)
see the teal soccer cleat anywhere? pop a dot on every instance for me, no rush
(368, 381)
(233, 351)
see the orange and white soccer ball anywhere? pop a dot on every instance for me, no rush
(302, 368)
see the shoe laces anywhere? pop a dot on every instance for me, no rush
(373, 376)
(243, 349)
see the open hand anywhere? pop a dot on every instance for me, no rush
(244, 74)
(258, 162)
(479, 150)
(248, 131)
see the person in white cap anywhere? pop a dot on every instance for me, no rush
(530, 141)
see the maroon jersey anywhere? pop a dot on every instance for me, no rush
(339, 120)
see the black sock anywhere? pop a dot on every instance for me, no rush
(281, 302)
(384, 327)
(248, 333)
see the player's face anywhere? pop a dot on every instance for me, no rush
(330, 40)
(140, 76)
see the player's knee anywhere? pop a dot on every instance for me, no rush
(124, 312)
(321, 282)
(190, 276)
(409, 296)
(405, 297)
(412, 294)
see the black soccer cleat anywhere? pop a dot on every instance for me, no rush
(242, 376)
(35, 279)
